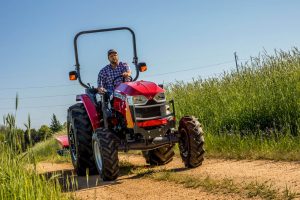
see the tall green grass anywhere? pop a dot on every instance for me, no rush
(17, 181)
(283, 147)
(255, 109)
(47, 151)
(263, 95)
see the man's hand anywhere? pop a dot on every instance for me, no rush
(101, 90)
(126, 74)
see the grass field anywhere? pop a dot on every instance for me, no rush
(47, 151)
(283, 148)
(17, 181)
(263, 96)
(250, 113)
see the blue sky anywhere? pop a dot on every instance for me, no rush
(36, 43)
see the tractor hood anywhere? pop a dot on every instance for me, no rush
(146, 88)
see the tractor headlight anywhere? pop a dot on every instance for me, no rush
(160, 97)
(137, 100)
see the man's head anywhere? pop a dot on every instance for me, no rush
(113, 57)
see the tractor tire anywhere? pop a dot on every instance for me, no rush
(80, 134)
(159, 156)
(191, 142)
(105, 148)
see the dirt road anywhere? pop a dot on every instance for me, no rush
(280, 175)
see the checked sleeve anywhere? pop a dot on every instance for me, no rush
(101, 77)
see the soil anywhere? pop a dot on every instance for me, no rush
(280, 175)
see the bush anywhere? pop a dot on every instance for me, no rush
(44, 132)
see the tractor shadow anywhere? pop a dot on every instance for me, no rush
(140, 171)
(153, 169)
(70, 182)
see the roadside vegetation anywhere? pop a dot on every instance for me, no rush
(283, 147)
(252, 112)
(18, 157)
(19, 182)
(47, 151)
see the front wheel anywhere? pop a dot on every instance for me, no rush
(191, 142)
(80, 140)
(105, 148)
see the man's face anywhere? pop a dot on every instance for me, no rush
(113, 58)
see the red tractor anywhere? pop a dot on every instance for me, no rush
(136, 117)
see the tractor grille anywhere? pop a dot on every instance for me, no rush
(155, 111)
(151, 102)
(148, 112)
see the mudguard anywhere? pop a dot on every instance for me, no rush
(91, 110)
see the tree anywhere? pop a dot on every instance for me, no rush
(55, 125)
(44, 132)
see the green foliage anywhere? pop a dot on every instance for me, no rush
(11, 135)
(47, 151)
(2, 133)
(280, 147)
(55, 124)
(45, 132)
(28, 129)
(17, 181)
(263, 96)
(18, 139)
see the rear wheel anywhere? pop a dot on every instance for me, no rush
(105, 148)
(191, 142)
(159, 156)
(80, 140)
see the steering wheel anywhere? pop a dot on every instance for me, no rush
(127, 79)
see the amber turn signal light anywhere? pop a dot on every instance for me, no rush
(142, 67)
(73, 75)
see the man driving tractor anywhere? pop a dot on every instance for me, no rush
(140, 118)
(110, 72)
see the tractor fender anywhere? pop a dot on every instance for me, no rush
(91, 110)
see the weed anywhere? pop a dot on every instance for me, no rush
(260, 189)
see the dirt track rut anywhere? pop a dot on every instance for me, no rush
(278, 174)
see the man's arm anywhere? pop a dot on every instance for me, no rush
(100, 82)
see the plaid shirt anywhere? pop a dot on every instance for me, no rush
(107, 75)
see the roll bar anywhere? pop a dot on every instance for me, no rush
(135, 58)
